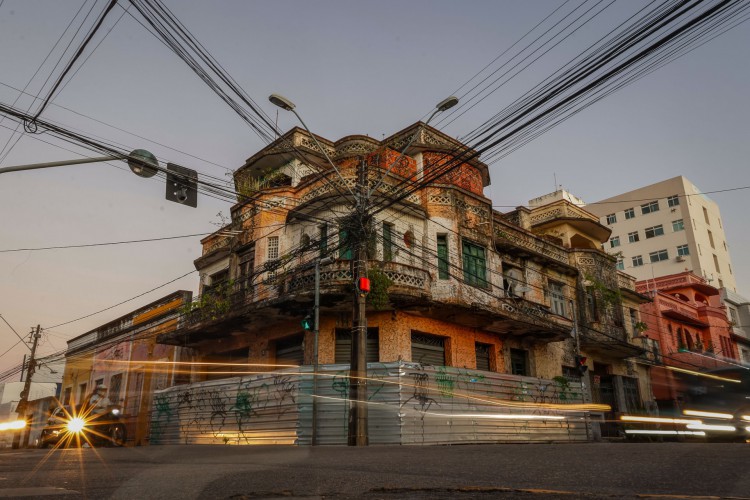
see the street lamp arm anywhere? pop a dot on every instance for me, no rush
(50, 164)
(286, 104)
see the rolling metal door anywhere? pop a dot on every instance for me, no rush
(344, 346)
(427, 349)
(289, 351)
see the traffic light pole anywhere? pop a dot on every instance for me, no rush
(316, 332)
(23, 400)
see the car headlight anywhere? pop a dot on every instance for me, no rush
(115, 411)
(76, 425)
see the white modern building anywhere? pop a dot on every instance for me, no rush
(667, 228)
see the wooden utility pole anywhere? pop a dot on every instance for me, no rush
(357, 430)
(23, 400)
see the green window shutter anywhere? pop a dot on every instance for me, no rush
(345, 247)
(442, 247)
(475, 265)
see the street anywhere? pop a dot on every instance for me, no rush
(595, 470)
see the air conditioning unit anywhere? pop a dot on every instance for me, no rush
(680, 258)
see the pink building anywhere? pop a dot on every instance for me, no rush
(689, 322)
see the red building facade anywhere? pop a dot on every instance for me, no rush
(688, 321)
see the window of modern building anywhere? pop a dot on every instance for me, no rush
(482, 355)
(650, 207)
(557, 298)
(323, 242)
(633, 237)
(699, 248)
(387, 241)
(673, 200)
(725, 246)
(611, 218)
(620, 264)
(720, 226)
(730, 268)
(721, 283)
(637, 261)
(654, 231)
(711, 239)
(683, 250)
(716, 264)
(705, 216)
(678, 225)
(629, 213)
(519, 362)
(614, 242)
(474, 265)
(658, 256)
(443, 262)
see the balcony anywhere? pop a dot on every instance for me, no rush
(515, 240)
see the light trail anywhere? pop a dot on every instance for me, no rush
(657, 420)
(708, 427)
(701, 374)
(707, 414)
(665, 433)
(13, 425)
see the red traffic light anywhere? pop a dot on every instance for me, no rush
(364, 285)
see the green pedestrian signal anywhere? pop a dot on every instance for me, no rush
(308, 323)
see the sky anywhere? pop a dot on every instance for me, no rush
(351, 68)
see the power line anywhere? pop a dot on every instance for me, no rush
(105, 244)
(14, 330)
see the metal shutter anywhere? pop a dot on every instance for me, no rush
(427, 349)
(289, 350)
(344, 346)
(483, 356)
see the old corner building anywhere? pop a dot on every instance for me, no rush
(472, 311)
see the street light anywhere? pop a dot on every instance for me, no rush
(286, 104)
(182, 183)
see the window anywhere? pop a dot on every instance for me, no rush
(475, 266)
(711, 239)
(725, 246)
(482, 356)
(519, 362)
(658, 256)
(620, 264)
(323, 243)
(633, 320)
(716, 264)
(66, 396)
(611, 218)
(115, 385)
(683, 250)
(246, 268)
(637, 261)
(633, 237)
(512, 281)
(273, 255)
(705, 216)
(650, 207)
(699, 249)
(678, 225)
(82, 393)
(673, 201)
(629, 213)
(557, 298)
(343, 351)
(273, 247)
(443, 263)
(387, 241)
(730, 268)
(591, 308)
(654, 231)
(614, 242)
(733, 316)
(427, 349)
(345, 246)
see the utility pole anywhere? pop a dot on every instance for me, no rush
(23, 400)
(357, 429)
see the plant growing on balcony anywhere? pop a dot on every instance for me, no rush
(640, 327)
(379, 285)
(211, 304)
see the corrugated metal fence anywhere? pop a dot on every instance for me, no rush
(408, 403)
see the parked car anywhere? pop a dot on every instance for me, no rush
(69, 426)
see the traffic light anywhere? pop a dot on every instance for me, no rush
(581, 364)
(182, 185)
(308, 322)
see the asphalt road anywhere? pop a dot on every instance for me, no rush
(596, 470)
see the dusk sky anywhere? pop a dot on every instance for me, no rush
(351, 68)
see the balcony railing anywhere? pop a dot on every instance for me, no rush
(340, 273)
(509, 235)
